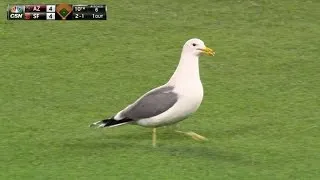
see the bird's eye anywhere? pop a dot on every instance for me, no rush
(194, 44)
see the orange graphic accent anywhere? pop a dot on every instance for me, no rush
(64, 10)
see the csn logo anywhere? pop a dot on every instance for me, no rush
(17, 12)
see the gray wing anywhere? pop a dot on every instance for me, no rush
(151, 104)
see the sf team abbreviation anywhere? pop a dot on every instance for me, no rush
(56, 12)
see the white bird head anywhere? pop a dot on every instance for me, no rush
(196, 47)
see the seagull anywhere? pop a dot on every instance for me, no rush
(170, 103)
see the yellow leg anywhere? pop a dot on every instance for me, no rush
(194, 135)
(154, 137)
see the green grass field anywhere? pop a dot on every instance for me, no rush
(260, 110)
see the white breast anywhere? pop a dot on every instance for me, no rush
(191, 94)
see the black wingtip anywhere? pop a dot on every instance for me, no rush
(109, 123)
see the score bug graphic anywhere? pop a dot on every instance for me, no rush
(16, 12)
(62, 11)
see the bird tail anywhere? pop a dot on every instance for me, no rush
(110, 122)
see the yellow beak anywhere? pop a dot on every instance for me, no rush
(208, 51)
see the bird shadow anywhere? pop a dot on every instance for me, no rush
(202, 152)
(171, 150)
(140, 142)
(182, 146)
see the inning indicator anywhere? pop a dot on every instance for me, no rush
(56, 12)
